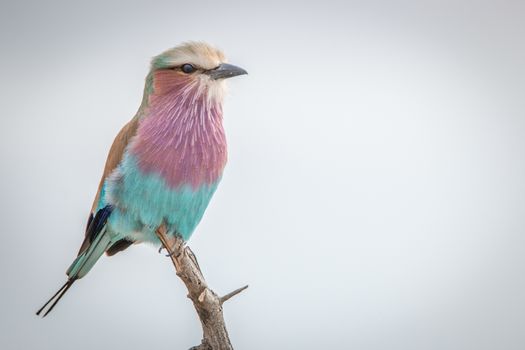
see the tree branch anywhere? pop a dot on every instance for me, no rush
(232, 294)
(206, 302)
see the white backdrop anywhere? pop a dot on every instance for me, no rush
(374, 196)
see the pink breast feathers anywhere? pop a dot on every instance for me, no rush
(181, 136)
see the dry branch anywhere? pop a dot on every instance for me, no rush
(206, 302)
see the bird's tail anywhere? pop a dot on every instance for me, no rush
(56, 297)
(80, 267)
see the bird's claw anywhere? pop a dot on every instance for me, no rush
(170, 254)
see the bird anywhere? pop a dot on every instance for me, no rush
(165, 163)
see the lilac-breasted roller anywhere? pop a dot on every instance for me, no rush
(165, 164)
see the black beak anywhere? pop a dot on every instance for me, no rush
(224, 71)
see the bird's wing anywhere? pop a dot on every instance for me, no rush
(97, 240)
(114, 157)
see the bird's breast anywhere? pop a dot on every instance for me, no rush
(183, 152)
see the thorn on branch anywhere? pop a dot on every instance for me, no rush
(232, 294)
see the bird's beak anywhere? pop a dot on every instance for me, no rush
(224, 71)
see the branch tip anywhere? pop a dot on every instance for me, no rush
(232, 294)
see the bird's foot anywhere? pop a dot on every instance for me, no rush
(170, 254)
(173, 253)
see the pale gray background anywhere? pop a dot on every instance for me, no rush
(374, 196)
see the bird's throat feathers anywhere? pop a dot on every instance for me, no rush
(180, 134)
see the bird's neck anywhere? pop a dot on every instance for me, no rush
(180, 135)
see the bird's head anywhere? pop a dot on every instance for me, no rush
(193, 67)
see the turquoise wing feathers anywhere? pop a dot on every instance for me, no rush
(97, 239)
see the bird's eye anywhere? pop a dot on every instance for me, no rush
(187, 68)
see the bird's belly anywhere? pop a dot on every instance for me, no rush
(144, 201)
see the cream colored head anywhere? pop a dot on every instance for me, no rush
(195, 64)
(200, 54)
